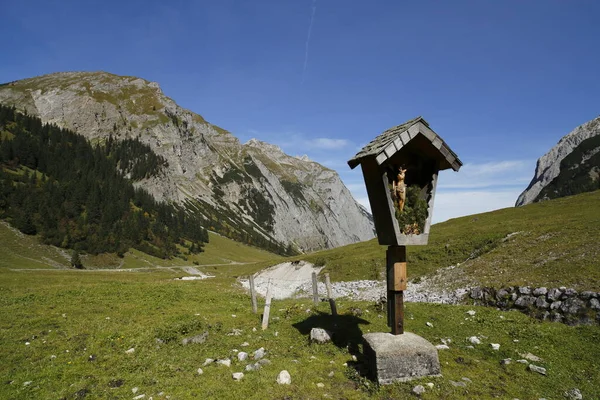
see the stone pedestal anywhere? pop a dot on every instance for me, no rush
(399, 358)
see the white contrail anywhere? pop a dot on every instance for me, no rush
(310, 25)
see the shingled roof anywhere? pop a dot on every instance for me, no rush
(393, 139)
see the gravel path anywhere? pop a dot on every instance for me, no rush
(295, 280)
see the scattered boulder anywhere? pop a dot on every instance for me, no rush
(474, 340)
(200, 371)
(226, 362)
(260, 353)
(442, 347)
(418, 390)
(574, 394)
(538, 369)
(495, 346)
(237, 376)
(242, 355)
(130, 351)
(319, 335)
(284, 378)
(208, 361)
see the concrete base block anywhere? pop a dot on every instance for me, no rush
(399, 358)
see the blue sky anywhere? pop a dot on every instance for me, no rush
(500, 81)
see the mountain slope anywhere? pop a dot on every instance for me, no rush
(570, 167)
(251, 192)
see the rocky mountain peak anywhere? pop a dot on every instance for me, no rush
(569, 167)
(252, 192)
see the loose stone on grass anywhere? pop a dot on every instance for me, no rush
(260, 353)
(474, 340)
(208, 361)
(418, 390)
(574, 394)
(242, 356)
(200, 371)
(226, 362)
(319, 335)
(237, 376)
(130, 351)
(284, 378)
(535, 368)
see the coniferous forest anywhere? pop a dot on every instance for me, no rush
(54, 183)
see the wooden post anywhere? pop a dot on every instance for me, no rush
(396, 282)
(315, 289)
(253, 295)
(330, 295)
(265, 321)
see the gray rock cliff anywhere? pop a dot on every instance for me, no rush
(548, 169)
(242, 190)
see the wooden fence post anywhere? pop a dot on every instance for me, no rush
(330, 295)
(265, 321)
(315, 289)
(253, 295)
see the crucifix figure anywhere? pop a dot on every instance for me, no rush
(399, 188)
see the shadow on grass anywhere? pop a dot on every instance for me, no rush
(344, 329)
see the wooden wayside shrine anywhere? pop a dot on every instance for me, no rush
(400, 168)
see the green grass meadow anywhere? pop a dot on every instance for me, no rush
(64, 333)
(89, 320)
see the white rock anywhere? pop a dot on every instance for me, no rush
(245, 344)
(319, 335)
(130, 351)
(27, 343)
(208, 361)
(284, 378)
(538, 369)
(27, 383)
(430, 385)
(141, 396)
(495, 346)
(418, 390)
(320, 385)
(429, 324)
(260, 353)
(574, 394)
(471, 312)
(442, 347)
(200, 371)
(331, 374)
(237, 376)
(135, 390)
(226, 362)
(474, 340)
(242, 356)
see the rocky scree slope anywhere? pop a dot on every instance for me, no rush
(251, 192)
(570, 167)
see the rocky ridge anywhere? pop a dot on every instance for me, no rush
(252, 192)
(549, 166)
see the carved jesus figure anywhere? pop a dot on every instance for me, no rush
(399, 188)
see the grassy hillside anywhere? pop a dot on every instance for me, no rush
(552, 243)
(19, 251)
